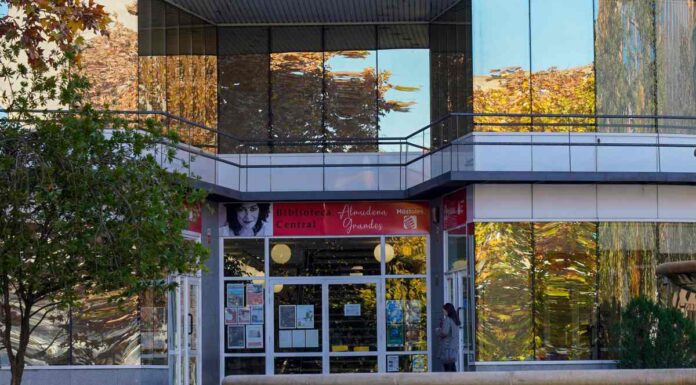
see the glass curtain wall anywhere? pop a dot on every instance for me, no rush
(314, 88)
(178, 70)
(554, 290)
(100, 332)
(625, 57)
(451, 72)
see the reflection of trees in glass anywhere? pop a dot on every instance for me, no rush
(503, 291)
(677, 242)
(48, 344)
(105, 332)
(565, 285)
(297, 99)
(625, 60)
(409, 290)
(626, 271)
(553, 91)
(409, 255)
(676, 61)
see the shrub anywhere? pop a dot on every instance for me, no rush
(656, 337)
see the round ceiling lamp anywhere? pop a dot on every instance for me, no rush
(388, 250)
(281, 253)
(277, 288)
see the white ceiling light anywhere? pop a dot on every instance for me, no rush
(388, 249)
(281, 253)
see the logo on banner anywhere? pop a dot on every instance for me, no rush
(410, 222)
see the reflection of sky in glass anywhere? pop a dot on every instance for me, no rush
(409, 68)
(561, 30)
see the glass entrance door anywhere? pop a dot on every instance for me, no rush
(458, 292)
(331, 326)
(353, 327)
(184, 338)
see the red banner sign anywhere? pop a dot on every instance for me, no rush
(195, 220)
(350, 218)
(454, 209)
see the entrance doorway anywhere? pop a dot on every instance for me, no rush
(185, 331)
(327, 325)
(458, 292)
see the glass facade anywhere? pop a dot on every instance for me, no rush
(330, 305)
(313, 87)
(554, 290)
(100, 332)
(582, 57)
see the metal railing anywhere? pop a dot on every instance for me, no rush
(455, 142)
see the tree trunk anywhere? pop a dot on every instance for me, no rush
(17, 365)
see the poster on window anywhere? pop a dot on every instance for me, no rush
(412, 335)
(287, 316)
(254, 294)
(392, 363)
(243, 315)
(395, 336)
(305, 317)
(413, 312)
(256, 314)
(235, 337)
(254, 337)
(231, 315)
(418, 363)
(395, 312)
(235, 294)
(246, 219)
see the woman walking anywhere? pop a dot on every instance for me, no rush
(449, 337)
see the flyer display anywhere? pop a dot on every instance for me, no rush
(287, 316)
(254, 337)
(244, 316)
(235, 294)
(235, 337)
(305, 317)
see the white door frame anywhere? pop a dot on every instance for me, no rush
(326, 353)
(454, 284)
(181, 330)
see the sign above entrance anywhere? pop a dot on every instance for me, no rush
(251, 219)
(350, 218)
(454, 209)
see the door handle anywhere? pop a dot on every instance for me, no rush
(190, 324)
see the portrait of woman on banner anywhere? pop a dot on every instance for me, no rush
(247, 219)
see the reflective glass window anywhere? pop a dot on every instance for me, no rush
(406, 314)
(562, 61)
(503, 284)
(405, 255)
(353, 317)
(244, 69)
(353, 364)
(676, 64)
(409, 363)
(627, 252)
(677, 242)
(501, 62)
(48, 343)
(244, 257)
(625, 64)
(324, 257)
(404, 82)
(298, 365)
(235, 366)
(296, 87)
(297, 317)
(106, 332)
(350, 81)
(153, 327)
(565, 274)
(244, 316)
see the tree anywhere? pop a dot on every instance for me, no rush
(85, 211)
